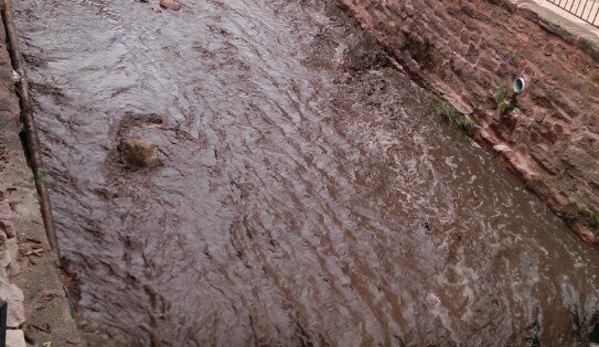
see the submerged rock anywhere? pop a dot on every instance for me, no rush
(170, 5)
(139, 153)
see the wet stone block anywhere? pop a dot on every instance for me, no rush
(14, 297)
(15, 338)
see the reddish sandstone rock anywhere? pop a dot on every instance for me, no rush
(14, 296)
(585, 233)
(6, 217)
(170, 5)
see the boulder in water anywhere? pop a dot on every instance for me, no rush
(170, 5)
(139, 153)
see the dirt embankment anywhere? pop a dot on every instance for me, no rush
(471, 52)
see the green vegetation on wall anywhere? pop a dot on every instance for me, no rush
(447, 111)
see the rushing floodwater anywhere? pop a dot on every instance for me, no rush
(308, 195)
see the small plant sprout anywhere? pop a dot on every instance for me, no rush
(500, 98)
(447, 111)
(442, 107)
(589, 217)
(464, 123)
(43, 177)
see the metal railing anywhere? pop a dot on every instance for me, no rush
(587, 10)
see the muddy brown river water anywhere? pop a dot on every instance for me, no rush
(308, 195)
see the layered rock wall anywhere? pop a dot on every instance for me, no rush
(470, 51)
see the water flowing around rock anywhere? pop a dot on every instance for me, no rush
(308, 196)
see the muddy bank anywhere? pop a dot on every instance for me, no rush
(470, 52)
(304, 194)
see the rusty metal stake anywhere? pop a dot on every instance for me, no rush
(33, 147)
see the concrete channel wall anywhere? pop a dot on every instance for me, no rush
(30, 281)
(470, 52)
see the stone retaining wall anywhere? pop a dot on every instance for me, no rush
(469, 51)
